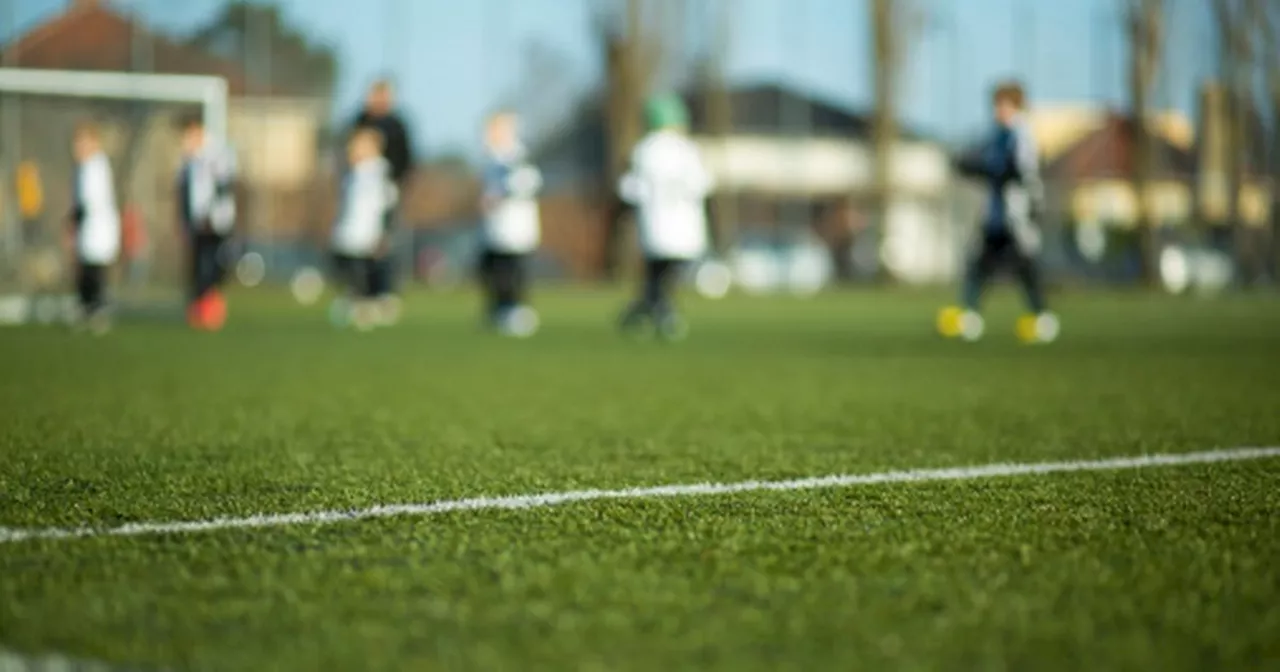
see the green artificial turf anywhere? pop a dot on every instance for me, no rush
(1154, 569)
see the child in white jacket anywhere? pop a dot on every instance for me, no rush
(96, 224)
(207, 207)
(511, 230)
(668, 184)
(360, 234)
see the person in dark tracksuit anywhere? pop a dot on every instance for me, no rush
(397, 148)
(95, 223)
(1009, 235)
(207, 209)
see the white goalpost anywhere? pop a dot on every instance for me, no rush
(209, 93)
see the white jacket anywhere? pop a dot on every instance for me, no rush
(206, 180)
(98, 231)
(1021, 198)
(1024, 199)
(669, 185)
(368, 197)
(511, 186)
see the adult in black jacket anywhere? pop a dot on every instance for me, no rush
(397, 147)
(379, 113)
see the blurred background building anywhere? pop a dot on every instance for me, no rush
(830, 126)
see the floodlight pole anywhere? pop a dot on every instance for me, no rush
(210, 92)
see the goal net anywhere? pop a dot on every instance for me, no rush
(137, 114)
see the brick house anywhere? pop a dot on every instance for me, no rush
(275, 133)
(1090, 177)
(1089, 161)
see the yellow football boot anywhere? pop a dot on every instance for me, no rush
(949, 321)
(1025, 328)
(1042, 328)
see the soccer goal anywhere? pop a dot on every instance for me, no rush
(38, 110)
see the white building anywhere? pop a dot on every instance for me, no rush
(799, 167)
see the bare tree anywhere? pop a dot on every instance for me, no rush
(1236, 43)
(720, 122)
(886, 69)
(1266, 16)
(631, 58)
(1145, 26)
(633, 45)
(895, 25)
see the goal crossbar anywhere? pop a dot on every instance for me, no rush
(210, 92)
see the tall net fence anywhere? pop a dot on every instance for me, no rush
(831, 127)
(141, 139)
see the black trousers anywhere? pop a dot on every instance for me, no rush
(656, 295)
(358, 275)
(382, 278)
(1000, 250)
(91, 287)
(208, 263)
(384, 269)
(504, 277)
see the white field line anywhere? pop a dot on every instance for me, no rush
(8, 535)
(50, 662)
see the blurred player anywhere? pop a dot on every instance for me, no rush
(361, 234)
(668, 184)
(379, 113)
(1010, 235)
(511, 227)
(207, 207)
(96, 226)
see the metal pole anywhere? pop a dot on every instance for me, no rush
(1024, 32)
(782, 209)
(140, 60)
(396, 53)
(393, 29)
(1097, 46)
(957, 53)
(10, 155)
(795, 115)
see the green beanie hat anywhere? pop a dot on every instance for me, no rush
(665, 111)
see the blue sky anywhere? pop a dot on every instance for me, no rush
(455, 59)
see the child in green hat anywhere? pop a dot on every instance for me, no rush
(668, 184)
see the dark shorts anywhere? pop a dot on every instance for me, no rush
(209, 252)
(505, 278)
(358, 275)
(91, 286)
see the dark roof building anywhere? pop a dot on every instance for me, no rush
(89, 35)
(1109, 152)
(579, 150)
(773, 109)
